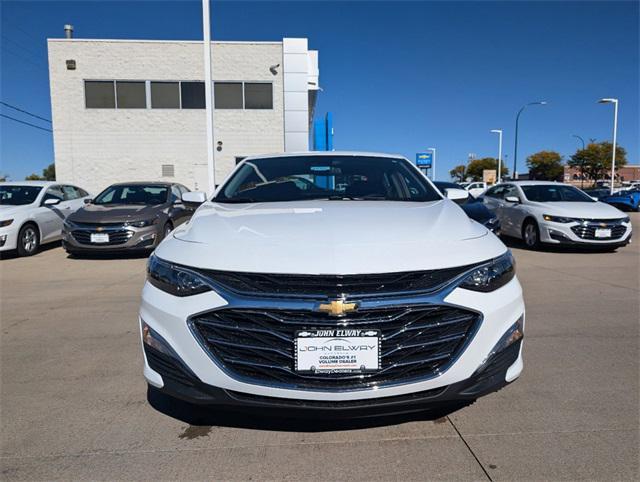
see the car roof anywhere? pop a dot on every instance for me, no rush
(537, 183)
(326, 154)
(29, 183)
(142, 183)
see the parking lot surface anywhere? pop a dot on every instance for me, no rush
(74, 403)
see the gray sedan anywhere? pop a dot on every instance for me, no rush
(126, 217)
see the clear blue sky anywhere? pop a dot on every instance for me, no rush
(399, 77)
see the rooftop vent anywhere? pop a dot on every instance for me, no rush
(168, 170)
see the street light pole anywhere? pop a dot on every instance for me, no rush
(515, 148)
(208, 95)
(499, 173)
(582, 165)
(615, 135)
(433, 164)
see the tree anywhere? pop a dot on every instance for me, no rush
(545, 165)
(594, 161)
(48, 174)
(476, 167)
(459, 173)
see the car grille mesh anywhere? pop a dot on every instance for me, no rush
(417, 342)
(83, 236)
(588, 231)
(331, 286)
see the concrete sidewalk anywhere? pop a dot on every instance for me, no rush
(73, 401)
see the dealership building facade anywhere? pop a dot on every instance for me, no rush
(133, 110)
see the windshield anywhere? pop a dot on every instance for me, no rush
(133, 194)
(357, 178)
(548, 193)
(18, 195)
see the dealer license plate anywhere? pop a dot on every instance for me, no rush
(337, 351)
(602, 233)
(99, 237)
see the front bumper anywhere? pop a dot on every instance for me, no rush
(121, 238)
(167, 316)
(181, 383)
(8, 238)
(563, 234)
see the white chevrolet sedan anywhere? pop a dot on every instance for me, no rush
(32, 213)
(336, 282)
(554, 213)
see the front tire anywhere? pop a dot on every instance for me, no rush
(531, 234)
(28, 240)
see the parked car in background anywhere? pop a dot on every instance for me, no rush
(32, 213)
(129, 216)
(476, 188)
(474, 208)
(626, 200)
(332, 282)
(549, 212)
(597, 193)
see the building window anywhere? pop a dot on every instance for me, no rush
(258, 96)
(228, 95)
(131, 95)
(192, 95)
(165, 95)
(99, 94)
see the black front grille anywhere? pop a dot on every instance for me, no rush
(417, 342)
(588, 231)
(83, 236)
(331, 286)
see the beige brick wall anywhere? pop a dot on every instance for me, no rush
(97, 147)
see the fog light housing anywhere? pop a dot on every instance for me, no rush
(3, 239)
(151, 338)
(514, 334)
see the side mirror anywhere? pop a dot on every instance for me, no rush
(52, 201)
(512, 199)
(457, 195)
(194, 197)
(88, 201)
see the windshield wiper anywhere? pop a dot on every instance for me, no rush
(236, 200)
(355, 198)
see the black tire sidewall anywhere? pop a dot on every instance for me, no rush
(21, 250)
(536, 245)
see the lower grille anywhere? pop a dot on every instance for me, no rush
(417, 342)
(83, 236)
(588, 231)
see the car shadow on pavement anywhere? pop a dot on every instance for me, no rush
(548, 248)
(13, 254)
(289, 420)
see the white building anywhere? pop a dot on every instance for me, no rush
(133, 110)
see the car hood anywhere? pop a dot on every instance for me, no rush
(96, 213)
(330, 237)
(6, 211)
(588, 210)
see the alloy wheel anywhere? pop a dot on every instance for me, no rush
(29, 239)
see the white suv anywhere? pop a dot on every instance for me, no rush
(554, 213)
(334, 281)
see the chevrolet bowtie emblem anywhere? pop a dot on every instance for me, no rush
(99, 228)
(337, 307)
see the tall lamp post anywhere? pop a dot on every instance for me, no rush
(615, 135)
(433, 164)
(582, 165)
(515, 148)
(499, 173)
(208, 95)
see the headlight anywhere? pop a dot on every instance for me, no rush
(68, 224)
(626, 219)
(141, 224)
(174, 279)
(6, 222)
(559, 219)
(492, 275)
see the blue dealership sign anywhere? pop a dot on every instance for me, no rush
(424, 159)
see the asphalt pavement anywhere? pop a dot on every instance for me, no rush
(73, 402)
